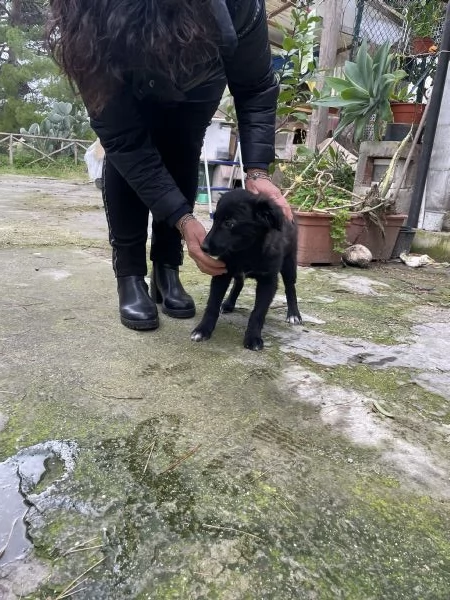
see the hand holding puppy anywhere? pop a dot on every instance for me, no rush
(263, 185)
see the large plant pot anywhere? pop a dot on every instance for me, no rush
(407, 112)
(421, 45)
(315, 245)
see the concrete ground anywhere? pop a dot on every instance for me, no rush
(145, 466)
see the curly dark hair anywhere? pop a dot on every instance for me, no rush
(97, 42)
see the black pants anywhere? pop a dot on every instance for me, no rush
(177, 130)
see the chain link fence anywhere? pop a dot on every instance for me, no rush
(380, 21)
(377, 22)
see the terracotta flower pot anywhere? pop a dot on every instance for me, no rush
(422, 45)
(315, 245)
(407, 112)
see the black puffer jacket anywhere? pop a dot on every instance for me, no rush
(245, 65)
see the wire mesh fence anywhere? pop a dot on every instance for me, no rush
(379, 21)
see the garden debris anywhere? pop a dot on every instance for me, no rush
(71, 588)
(350, 158)
(357, 256)
(378, 408)
(416, 260)
(5, 547)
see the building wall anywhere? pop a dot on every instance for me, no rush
(437, 192)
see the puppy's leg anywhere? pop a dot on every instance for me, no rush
(265, 291)
(289, 275)
(218, 289)
(230, 302)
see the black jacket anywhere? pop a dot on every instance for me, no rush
(246, 66)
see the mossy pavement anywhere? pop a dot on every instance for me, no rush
(206, 471)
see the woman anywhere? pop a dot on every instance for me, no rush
(152, 74)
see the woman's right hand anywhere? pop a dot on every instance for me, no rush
(194, 233)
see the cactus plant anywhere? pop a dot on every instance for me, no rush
(60, 123)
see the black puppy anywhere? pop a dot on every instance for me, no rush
(253, 238)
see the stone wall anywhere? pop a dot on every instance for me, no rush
(373, 162)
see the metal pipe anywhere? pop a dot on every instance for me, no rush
(430, 128)
(357, 28)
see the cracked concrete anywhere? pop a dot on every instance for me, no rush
(204, 470)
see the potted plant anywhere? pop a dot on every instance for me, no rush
(329, 216)
(422, 17)
(373, 92)
(295, 66)
(406, 113)
(404, 107)
(365, 92)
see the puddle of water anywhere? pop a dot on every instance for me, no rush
(12, 511)
(28, 471)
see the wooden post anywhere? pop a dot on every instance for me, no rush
(11, 154)
(332, 20)
(75, 153)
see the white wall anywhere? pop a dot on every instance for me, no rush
(437, 192)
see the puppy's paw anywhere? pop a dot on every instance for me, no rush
(294, 319)
(253, 342)
(226, 308)
(200, 335)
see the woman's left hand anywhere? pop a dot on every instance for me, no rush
(266, 187)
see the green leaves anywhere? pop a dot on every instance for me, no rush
(30, 81)
(363, 93)
(337, 84)
(296, 67)
(424, 16)
(286, 95)
(355, 76)
(289, 44)
(356, 94)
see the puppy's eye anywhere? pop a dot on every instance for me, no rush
(229, 223)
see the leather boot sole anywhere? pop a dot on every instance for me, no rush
(187, 313)
(140, 325)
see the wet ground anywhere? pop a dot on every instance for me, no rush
(144, 466)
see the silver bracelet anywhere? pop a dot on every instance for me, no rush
(182, 222)
(259, 175)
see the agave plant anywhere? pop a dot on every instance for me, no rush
(363, 94)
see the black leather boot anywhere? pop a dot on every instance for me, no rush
(137, 309)
(166, 288)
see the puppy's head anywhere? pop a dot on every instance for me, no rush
(241, 221)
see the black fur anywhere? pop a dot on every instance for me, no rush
(253, 238)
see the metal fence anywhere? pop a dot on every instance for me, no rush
(380, 21)
(37, 148)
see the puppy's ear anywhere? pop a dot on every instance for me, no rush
(268, 213)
